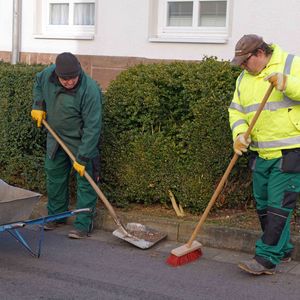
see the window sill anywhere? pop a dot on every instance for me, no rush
(190, 39)
(64, 37)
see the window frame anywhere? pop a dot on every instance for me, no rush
(69, 31)
(189, 34)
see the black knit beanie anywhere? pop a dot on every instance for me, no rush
(67, 65)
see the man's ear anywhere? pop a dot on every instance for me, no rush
(260, 52)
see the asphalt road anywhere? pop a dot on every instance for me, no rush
(104, 267)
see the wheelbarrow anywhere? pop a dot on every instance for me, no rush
(16, 206)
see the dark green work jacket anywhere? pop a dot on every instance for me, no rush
(74, 114)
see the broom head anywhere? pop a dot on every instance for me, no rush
(184, 254)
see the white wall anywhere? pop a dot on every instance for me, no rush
(123, 29)
(276, 21)
(6, 9)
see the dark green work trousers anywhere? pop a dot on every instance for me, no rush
(276, 193)
(58, 172)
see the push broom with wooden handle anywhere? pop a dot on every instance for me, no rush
(192, 249)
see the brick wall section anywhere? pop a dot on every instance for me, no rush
(103, 69)
(5, 56)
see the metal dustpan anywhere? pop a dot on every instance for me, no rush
(16, 204)
(139, 235)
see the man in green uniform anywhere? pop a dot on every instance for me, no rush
(71, 102)
(274, 143)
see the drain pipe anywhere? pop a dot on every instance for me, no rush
(16, 32)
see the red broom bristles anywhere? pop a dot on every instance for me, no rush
(176, 261)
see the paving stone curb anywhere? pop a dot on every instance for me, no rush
(215, 236)
(179, 230)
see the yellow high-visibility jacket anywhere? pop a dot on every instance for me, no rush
(278, 126)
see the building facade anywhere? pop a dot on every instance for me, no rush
(111, 35)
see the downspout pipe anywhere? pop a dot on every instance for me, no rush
(16, 31)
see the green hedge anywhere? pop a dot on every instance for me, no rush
(165, 128)
(21, 144)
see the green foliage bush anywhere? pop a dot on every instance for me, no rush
(166, 128)
(21, 144)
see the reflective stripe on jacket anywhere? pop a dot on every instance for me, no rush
(278, 126)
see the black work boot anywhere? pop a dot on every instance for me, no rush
(77, 234)
(52, 225)
(252, 266)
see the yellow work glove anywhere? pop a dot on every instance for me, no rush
(39, 116)
(79, 168)
(278, 80)
(240, 144)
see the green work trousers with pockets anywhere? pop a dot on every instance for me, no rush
(58, 171)
(276, 193)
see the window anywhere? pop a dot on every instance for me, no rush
(212, 13)
(67, 19)
(180, 14)
(191, 21)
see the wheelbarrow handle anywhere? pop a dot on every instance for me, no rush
(87, 176)
(81, 210)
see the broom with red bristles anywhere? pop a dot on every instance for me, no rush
(192, 249)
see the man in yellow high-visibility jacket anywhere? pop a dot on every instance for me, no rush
(274, 143)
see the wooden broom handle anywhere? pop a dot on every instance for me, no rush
(86, 175)
(228, 170)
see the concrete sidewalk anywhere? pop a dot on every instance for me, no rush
(164, 247)
(178, 230)
(209, 253)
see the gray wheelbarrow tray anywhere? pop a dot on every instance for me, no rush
(16, 206)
